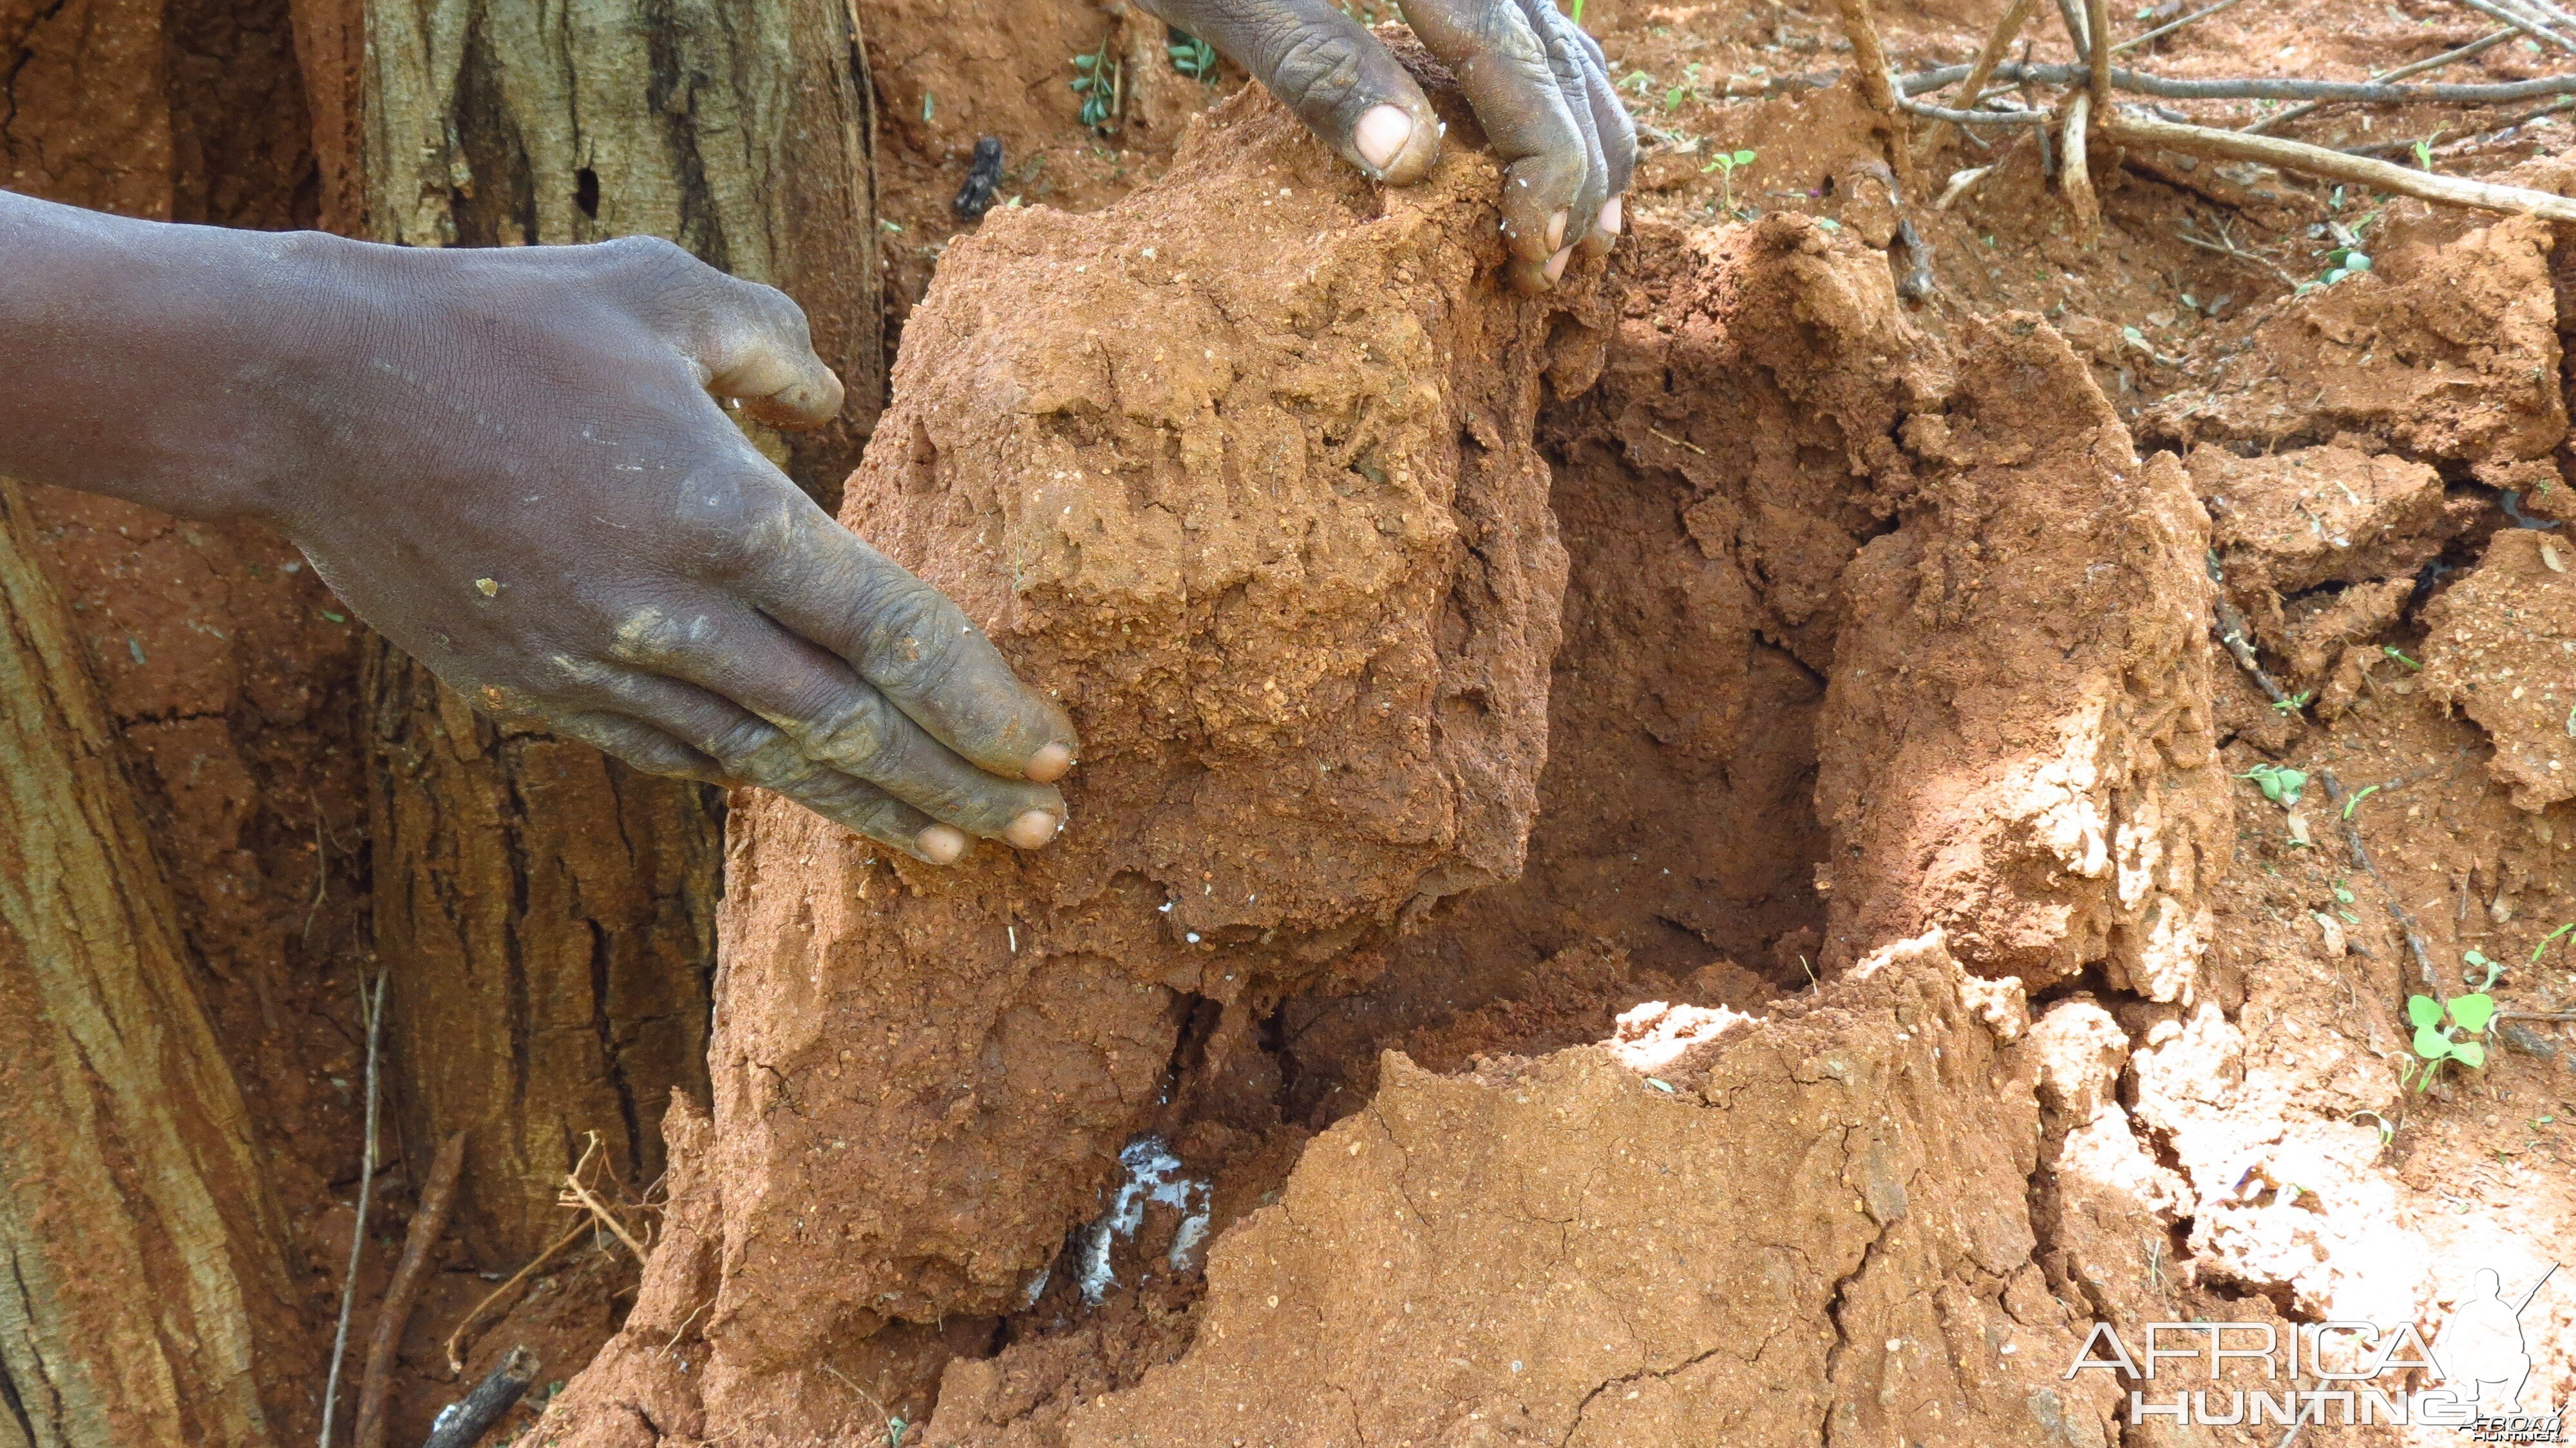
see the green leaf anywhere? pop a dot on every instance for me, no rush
(2474, 957)
(2470, 1053)
(2474, 1011)
(2431, 1044)
(1744, 158)
(2550, 939)
(2349, 806)
(2424, 1011)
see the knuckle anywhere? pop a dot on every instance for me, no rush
(1316, 69)
(858, 737)
(911, 632)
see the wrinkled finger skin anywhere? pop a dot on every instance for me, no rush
(515, 465)
(1539, 85)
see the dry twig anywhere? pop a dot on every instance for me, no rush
(428, 1224)
(2521, 22)
(2397, 910)
(2227, 247)
(456, 1339)
(2470, 51)
(2250, 88)
(2006, 31)
(1869, 57)
(577, 1195)
(2170, 26)
(375, 1013)
(2097, 21)
(2339, 166)
(2073, 19)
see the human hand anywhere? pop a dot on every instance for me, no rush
(512, 464)
(1540, 87)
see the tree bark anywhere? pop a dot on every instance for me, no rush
(147, 1271)
(546, 913)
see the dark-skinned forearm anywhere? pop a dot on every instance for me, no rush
(139, 355)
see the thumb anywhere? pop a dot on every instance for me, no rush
(1327, 68)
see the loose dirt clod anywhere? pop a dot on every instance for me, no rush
(2502, 649)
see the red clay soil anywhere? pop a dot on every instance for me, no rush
(1733, 638)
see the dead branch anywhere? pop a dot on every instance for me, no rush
(2406, 148)
(2338, 166)
(463, 1423)
(2523, 23)
(2536, 1015)
(375, 1013)
(2074, 166)
(2073, 19)
(428, 1224)
(2397, 910)
(1869, 57)
(456, 1339)
(2006, 31)
(2097, 21)
(2170, 26)
(2227, 248)
(2256, 88)
(575, 1194)
(1972, 118)
(2470, 51)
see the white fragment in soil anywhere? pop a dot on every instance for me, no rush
(1035, 1289)
(1153, 1175)
(1654, 1034)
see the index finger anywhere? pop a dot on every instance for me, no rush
(912, 643)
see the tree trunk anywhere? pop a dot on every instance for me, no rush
(547, 913)
(147, 1269)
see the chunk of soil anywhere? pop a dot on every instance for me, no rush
(2502, 648)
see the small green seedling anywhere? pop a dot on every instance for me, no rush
(2552, 938)
(2477, 960)
(1637, 82)
(2394, 652)
(895, 1429)
(2424, 154)
(2343, 261)
(2354, 803)
(1681, 91)
(1726, 165)
(2387, 1132)
(1192, 57)
(1101, 80)
(2436, 1043)
(2280, 784)
(2294, 703)
(2343, 892)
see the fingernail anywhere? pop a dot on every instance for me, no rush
(1032, 829)
(1049, 764)
(943, 844)
(1611, 215)
(1556, 231)
(1381, 135)
(1556, 264)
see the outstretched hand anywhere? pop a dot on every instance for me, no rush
(1540, 87)
(514, 465)
(545, 503)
